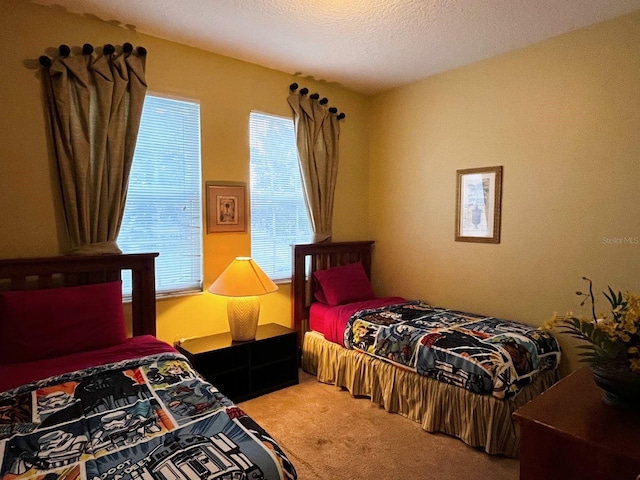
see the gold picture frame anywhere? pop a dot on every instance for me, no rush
(226, 207)
(478, 204)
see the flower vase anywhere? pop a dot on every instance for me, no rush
(621, 386)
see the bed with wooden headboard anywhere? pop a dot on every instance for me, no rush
(308, 258)
(481, 421)
(73, 270)
(81, 399)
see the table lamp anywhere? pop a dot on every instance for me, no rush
(242, 281)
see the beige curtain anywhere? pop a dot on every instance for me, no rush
(95, 103)
(317, 133)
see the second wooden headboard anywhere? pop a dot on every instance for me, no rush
(308, 258)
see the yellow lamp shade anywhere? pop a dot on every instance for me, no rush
(243, 278)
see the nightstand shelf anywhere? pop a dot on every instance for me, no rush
(244, 370)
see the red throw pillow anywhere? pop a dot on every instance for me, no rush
(37, 324)
(319, 295)
(345, 284)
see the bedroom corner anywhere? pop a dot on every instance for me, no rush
(561, 117)
(227, 89)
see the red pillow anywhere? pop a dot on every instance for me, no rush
(319, 295)
(345, 284)
(37, 324)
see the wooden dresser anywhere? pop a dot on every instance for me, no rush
(568, 433)
(244, 370)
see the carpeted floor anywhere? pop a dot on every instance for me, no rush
(329, 435)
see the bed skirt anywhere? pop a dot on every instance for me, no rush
(481, 421)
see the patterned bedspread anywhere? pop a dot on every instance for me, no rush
(142, 419)
(481, 354)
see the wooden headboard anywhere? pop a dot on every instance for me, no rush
(308, 258)
(72, 270)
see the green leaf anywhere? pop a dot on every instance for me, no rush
(587, 355)
(586, 347)
(615, 299)
(610, 297)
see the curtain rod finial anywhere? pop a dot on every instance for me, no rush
(293, 87)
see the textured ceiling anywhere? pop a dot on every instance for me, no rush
(365, 45)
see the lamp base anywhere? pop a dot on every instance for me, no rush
(243, 314)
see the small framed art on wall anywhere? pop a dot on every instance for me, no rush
(226, 207)
(478, 205)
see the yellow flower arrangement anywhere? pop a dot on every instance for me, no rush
(610, 337)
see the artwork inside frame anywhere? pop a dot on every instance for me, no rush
(478, 204)
(226, 207)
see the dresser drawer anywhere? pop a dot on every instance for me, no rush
(273, 349)
(243, 370)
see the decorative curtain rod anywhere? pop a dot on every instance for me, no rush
(315, 96)
(87, 49)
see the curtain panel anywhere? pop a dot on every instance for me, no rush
(317, 130)
(94, 101)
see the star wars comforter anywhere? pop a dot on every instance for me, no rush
(481, 354)
(142, 419)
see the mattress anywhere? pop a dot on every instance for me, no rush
(481, 354)
(147, 417)
(13, 375)
(331, 321)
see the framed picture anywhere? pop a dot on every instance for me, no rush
(226, 207)
(478, 203)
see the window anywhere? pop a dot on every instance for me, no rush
(164, 201)
(278, 213)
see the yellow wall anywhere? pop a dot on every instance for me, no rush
(563, 119)
(30, 218)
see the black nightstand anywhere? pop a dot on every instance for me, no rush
(244, 370)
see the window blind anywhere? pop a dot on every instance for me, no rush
(163, 212)
(278, 213)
